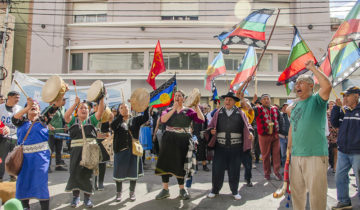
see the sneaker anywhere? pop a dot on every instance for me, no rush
(237, 196)
(249, 183)
(132, 196)
(60, 168)
(253, 166)
(118, 197)
(184, 195)
(211, 195)
(88, 203)
(101, 187)
(163, 194)
(205, 168)
(342, 206)
(13, 179)
(267, 177)
(278, 177)
(75, 201)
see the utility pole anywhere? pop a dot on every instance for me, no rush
(6, 50)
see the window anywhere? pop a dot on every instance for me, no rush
(179, 18)
(179, 10)
(116, 61)
(282, 61)
(232, 61)
(266, 63)
(76, 61)
(89, 12)
(184, 60)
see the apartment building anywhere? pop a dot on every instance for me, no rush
(114, 40)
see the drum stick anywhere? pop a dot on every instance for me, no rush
(74, 83)
(22, 90)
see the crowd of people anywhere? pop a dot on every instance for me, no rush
(316, 131)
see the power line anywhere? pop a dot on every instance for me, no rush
(181, 2)
(167, 10)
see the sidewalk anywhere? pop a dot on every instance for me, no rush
(253, 198)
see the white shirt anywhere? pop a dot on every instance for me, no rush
(6, 116)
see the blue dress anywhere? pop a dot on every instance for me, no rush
(32, 180)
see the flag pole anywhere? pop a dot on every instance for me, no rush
(333, 91)
(263, 52)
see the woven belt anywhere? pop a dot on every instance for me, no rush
(80, 142)
(235, 138)
(177, 129)
(36, 147)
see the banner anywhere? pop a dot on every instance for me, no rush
(33, 87)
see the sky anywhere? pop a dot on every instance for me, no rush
(340, 8)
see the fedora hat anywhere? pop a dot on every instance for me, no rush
(231, 95)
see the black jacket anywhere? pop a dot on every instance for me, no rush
(122, 138)
(348, 140)
(284, 125)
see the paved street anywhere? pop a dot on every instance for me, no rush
(257, 197)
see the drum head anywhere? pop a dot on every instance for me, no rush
(193, 99)
(140, 99)
(52, 88)
(95, 90)
(106, 115)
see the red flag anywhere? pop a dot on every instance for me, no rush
(157, 67)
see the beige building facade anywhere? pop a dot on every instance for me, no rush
(114, 40)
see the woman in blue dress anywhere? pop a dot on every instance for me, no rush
(32, 182)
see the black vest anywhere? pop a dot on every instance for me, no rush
(230, 124)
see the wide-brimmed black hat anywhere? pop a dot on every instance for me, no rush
(231, 95)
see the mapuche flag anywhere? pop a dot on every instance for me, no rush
(250, 31)
(343, 55)
(246, 68)
(157, 67)
(349, 30)
(216, 68)
(342, 61)
(164, 95)
(299, 55)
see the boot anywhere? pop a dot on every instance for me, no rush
(205, 168)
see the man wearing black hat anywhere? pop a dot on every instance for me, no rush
(8, 141)
(268, 123)
(231, 128)
(348, 143)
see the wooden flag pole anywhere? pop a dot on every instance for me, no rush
(263, 52)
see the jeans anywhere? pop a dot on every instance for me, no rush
(344, 164)
(283, 147)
